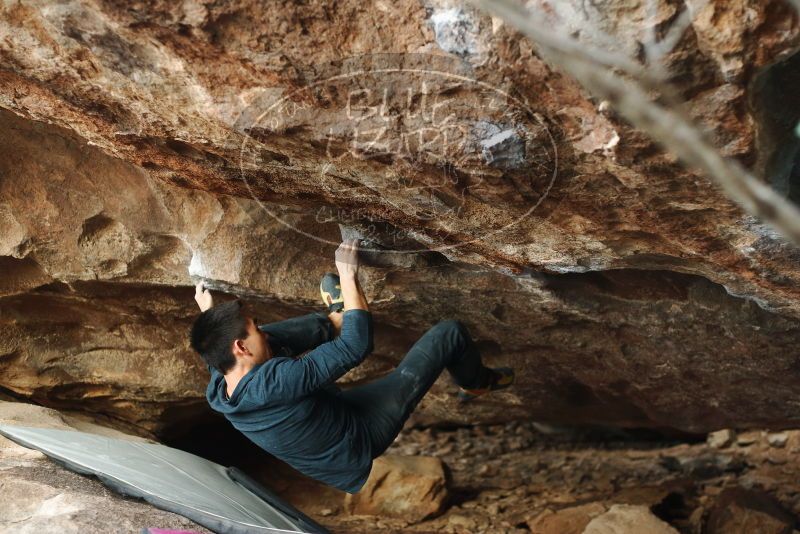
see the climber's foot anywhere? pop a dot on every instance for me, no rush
(500, 378)
(331, 291)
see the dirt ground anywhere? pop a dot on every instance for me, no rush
(502, 477)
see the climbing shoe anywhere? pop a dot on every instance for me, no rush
(499, 378)
(331, 290)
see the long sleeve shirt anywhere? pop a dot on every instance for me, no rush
(290, 408)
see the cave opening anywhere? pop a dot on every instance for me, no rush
(214, 438)
(776, 103)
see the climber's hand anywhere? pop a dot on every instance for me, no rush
(347, 258)
(203, 297)
(347, 263)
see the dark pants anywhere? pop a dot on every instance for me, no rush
(386, 403)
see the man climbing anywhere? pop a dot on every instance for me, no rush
(289, 405)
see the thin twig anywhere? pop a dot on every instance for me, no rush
(657, 50)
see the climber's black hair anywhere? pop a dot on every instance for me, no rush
(214, 332)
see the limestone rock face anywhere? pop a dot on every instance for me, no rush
(151, 143)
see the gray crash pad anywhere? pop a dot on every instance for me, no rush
(221, 499)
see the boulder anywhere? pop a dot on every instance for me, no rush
(721, 438)
(571, 520)
(408, 487)
(777, 439)
(741, 511)
(628, 519)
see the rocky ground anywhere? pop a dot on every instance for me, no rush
(505, 478)
(41, 497)
(46, 498)
(514, 478)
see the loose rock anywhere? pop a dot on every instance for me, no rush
(721, 438)
(627, 519)
(408, 487)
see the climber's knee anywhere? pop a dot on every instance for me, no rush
(448, 325)
(452, 327)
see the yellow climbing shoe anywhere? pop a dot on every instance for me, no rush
(331, 291)
(500, 378)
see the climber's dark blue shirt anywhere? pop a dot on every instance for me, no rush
(290, 407)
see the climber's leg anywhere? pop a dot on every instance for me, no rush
(306, 332)
(300, 334)
(386, 403)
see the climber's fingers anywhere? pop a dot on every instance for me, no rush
(347, 257)
(203, 296)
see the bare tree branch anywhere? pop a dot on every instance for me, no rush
(657, 50)
(668, 126)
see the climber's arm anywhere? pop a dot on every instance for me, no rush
(312, 330)
(290, 378)
(203, 298)
(347, 264)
